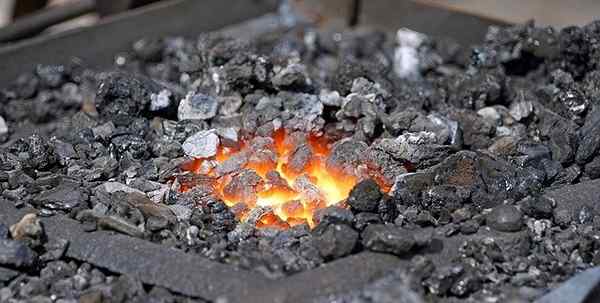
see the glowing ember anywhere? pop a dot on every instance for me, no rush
(285, 173)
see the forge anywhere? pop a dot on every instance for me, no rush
(299, 151)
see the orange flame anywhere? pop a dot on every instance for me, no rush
(280, 188)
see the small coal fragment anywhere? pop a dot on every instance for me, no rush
(561, 134)
(469, 227)
(537, 207)
(121, 95)
(243, 187)
(113, 187)
(336, 241)
(443, 279)
(330, 98)
(387, 209)
(419, 148)
(592, 168)
(293, 209)
(203, 144)
(158, 216)
(6, 275)
(64, 197)
(55, 249)
(229, 105)
(299, 160)
(388, 239)
(215, 216)
(229, 136)
(309, 192)
(443, 198)
(473, 172)
(120, 225)
(333, 215)
(365, 196)
(345, 156)
(16, 254)
(364, 219)
(263, 160)
(505, 218)
(4, 231)
(197, 107)
(589, 140)
(293, 75)
(380, 161)
(133, 145)
(521, 109)
(36, 152)
(232, 165)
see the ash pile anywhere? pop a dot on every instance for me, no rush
(476, 166)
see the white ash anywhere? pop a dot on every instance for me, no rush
(160, 101)
(521, 110)
(490, 113)
(203, 144)
(406, 56)
(191, 235)
(112, 187)
(3, 126)
(182, 212)
(416, 138)
(229, 105)
(197, 107)
(266, 102)
(330, 98)
(159, 195)
(447, 129)
(229, 136)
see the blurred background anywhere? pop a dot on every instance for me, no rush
(49, 15)
(557, 13)
(34, 16)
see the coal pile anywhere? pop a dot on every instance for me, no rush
(473, 170)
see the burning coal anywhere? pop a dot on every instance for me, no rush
(286, 175)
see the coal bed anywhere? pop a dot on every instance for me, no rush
(311, 165)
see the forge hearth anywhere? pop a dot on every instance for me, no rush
(306, 163)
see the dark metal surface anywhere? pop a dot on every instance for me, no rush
(34, 23)
(194, 275)
(107, 7)
(24, 7)
(427, 17)
(97, 45)
(582, 288)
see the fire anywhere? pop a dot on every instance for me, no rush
(270, 177)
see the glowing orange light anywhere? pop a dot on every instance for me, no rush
(293, 197)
